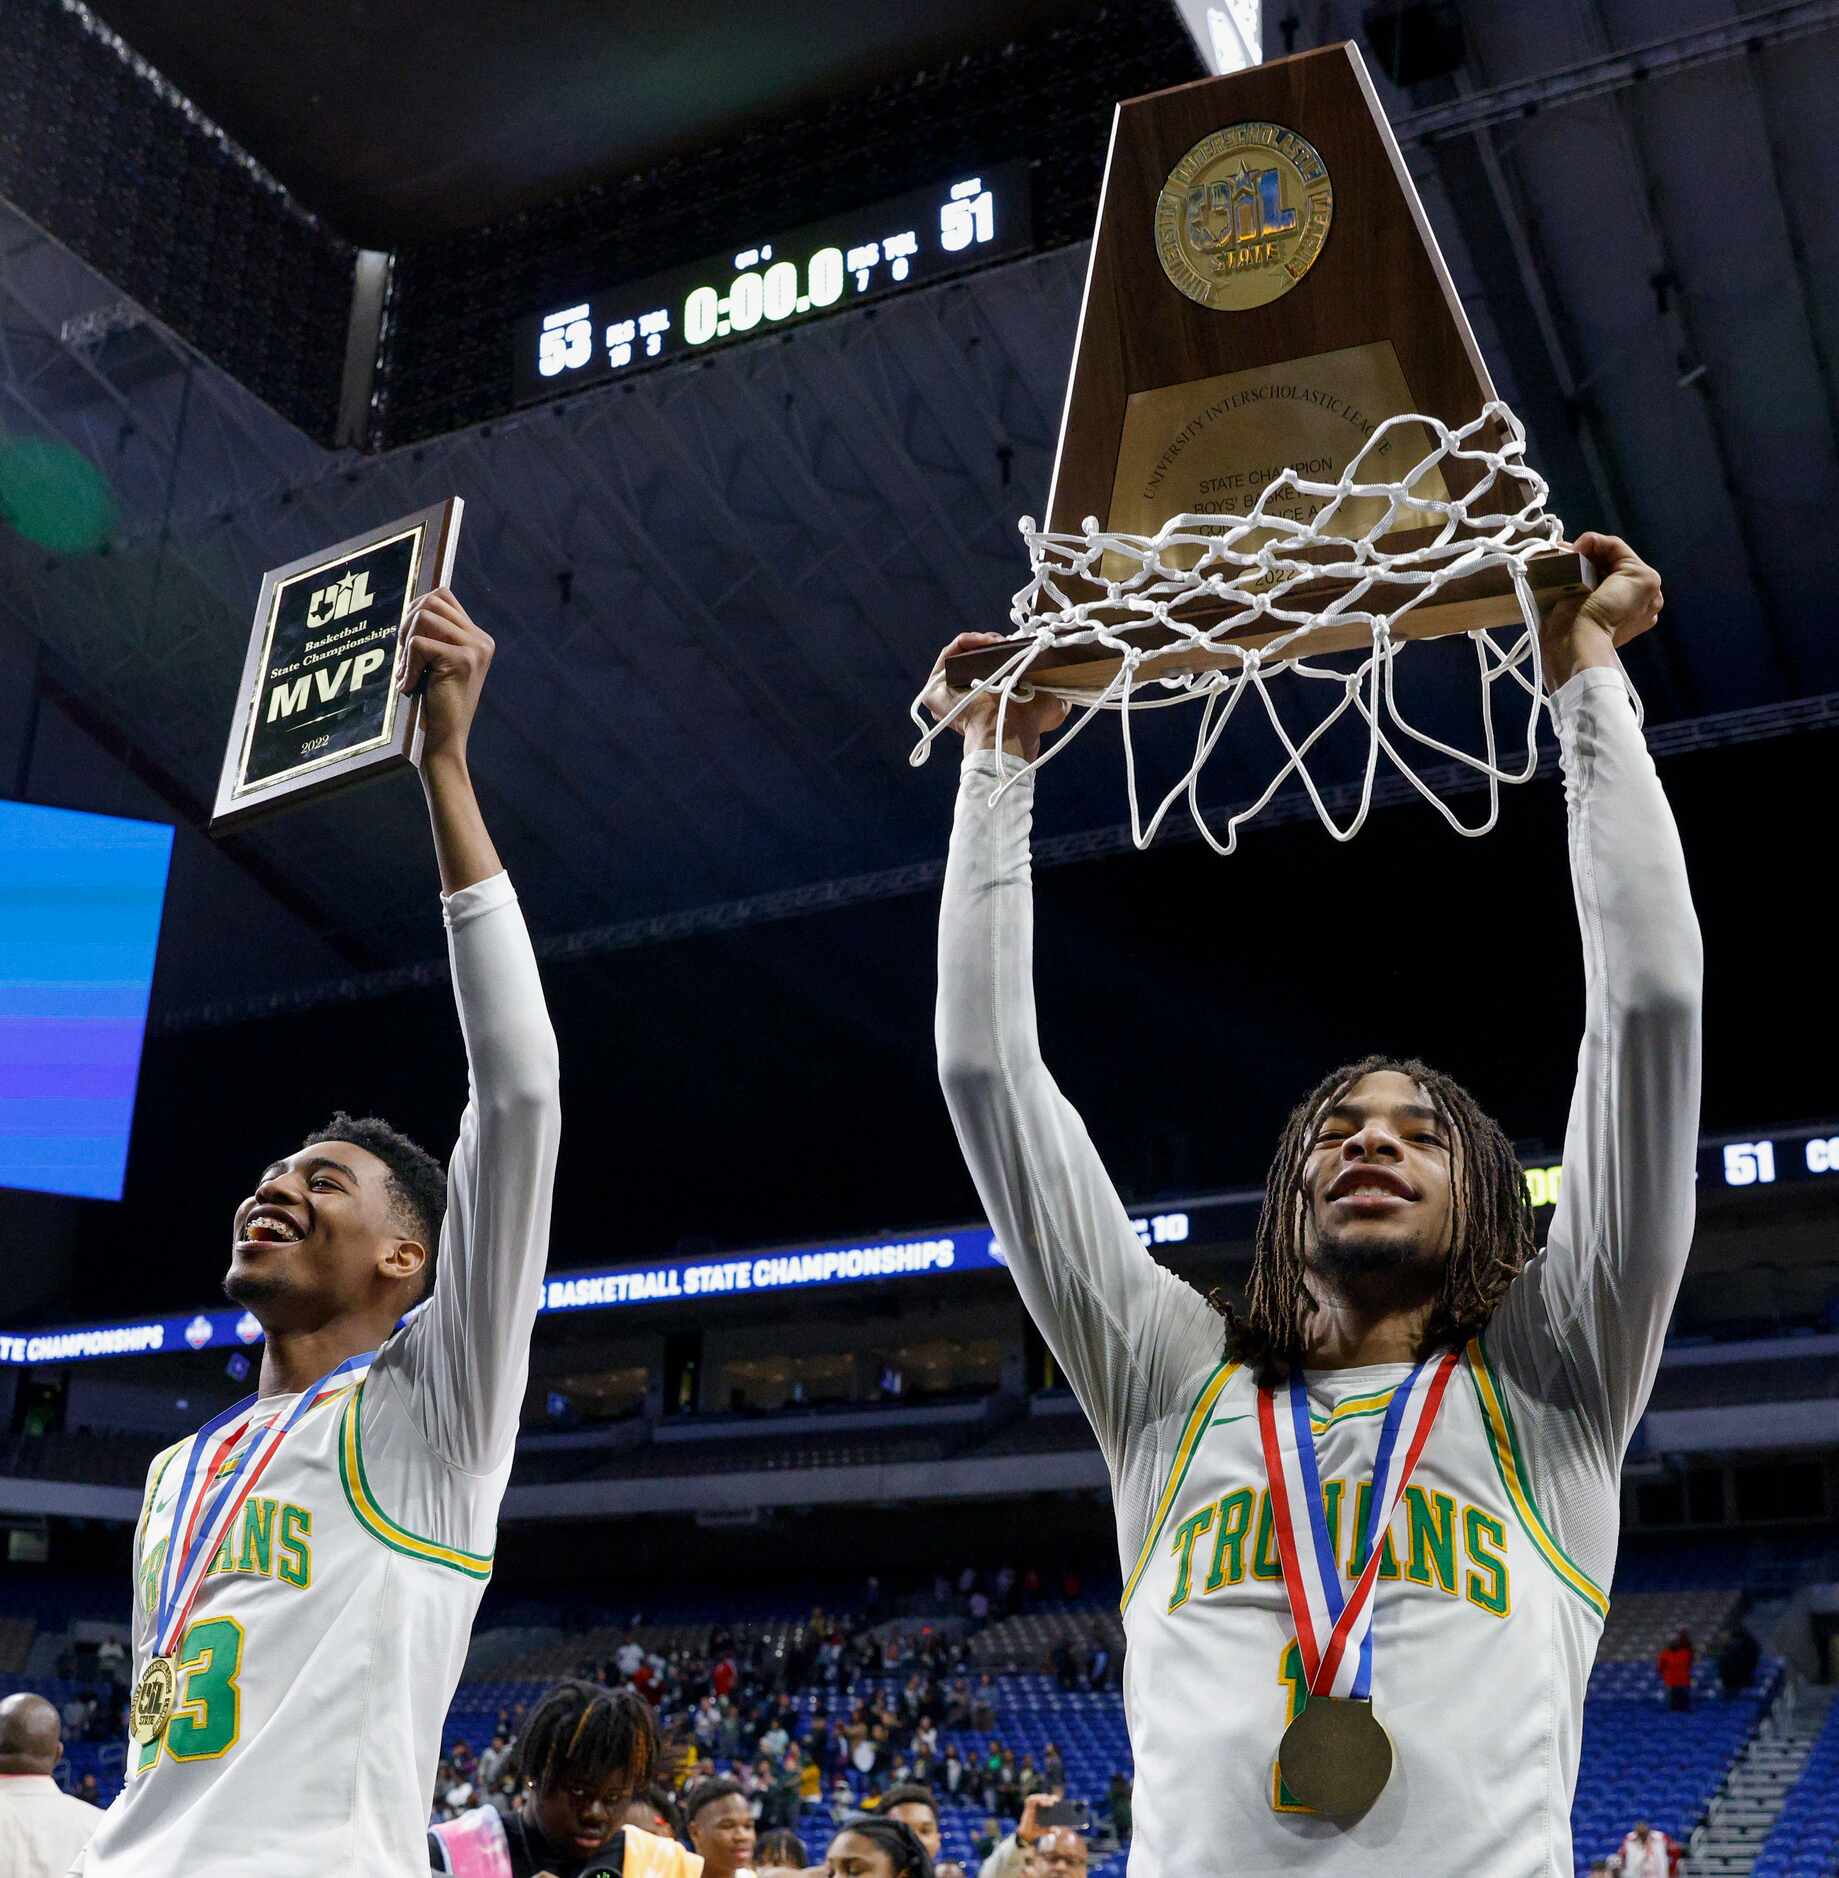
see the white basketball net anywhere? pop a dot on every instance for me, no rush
(1248, 567)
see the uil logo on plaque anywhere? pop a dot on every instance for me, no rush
(1243, 216)
(318, 708)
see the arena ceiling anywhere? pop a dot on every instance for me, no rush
(715, 593)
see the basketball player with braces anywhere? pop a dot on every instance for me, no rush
(291, 1686)
(1436, 1629)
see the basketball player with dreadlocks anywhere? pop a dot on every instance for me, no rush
(1367, 1526)
(307, 1566)
(583, 1755)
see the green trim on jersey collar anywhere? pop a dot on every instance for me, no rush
(378, 1523)
(1510, 1464)
(1198, 1418)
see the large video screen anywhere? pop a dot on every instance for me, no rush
(80, 901)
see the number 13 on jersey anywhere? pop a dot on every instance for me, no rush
(208, 1714)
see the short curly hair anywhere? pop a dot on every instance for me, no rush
(417, 1181)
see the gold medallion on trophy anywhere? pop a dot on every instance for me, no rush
(1243, 216)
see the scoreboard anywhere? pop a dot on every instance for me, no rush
(786, 279)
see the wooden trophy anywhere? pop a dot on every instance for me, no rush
(318, 707)
(1264, 290)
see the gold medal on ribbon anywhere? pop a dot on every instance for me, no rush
(1336, 1757)
(154, 1694)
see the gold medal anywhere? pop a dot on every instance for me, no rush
(1335, 1757)
(151, 1708)
(1243, 216)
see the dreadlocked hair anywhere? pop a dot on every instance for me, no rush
(1491, 1225)
(582, 1734)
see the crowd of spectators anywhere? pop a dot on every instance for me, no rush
(928, 1719)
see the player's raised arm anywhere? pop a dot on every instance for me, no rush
(463, 1364)
(1600, 1297)
(1129, 1335)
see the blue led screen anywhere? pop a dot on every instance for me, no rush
(80, 901)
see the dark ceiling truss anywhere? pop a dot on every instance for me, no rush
(1742, 35)
(1675, 309)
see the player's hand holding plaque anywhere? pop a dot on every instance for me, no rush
(317, 709)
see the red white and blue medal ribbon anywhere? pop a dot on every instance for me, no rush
(205, 1511)
(1334, 1631)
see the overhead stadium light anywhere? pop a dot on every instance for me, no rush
(1229, 34)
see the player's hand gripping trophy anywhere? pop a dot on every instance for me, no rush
(1575, 634)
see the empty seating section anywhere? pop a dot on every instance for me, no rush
(1642, 1761)
(1805, 1840)
(1030, 1638)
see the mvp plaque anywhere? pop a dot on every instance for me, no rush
(1265, 295)
(318, 707)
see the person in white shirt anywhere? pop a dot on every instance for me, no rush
(41, 1827)
(1412, 1552)
(1645, 1853)
(293, 1673)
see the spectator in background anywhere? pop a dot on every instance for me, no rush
(1010, 1858)
(782, 1797)
(916, 1809)
(868, 1847)
(75, 1715)
(1060, 1852)
(1098, 1664)
(1053, 1768)
(720, 1820)
(1117, 1803)
(112, 1658)
(654, 1811)
(88, 1792)
(1675, 1663)
(1028, 1777)
(988, 1839)
(1066, 1671)
(494, 1760)
(954, 1770)
(1737, 1661)
(629, 1655)
(584, 1752)
(1646, 1853)
(41, 1829)
(781, 1850)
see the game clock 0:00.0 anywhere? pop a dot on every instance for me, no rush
(822, 267)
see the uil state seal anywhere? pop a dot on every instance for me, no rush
(1243, 216)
